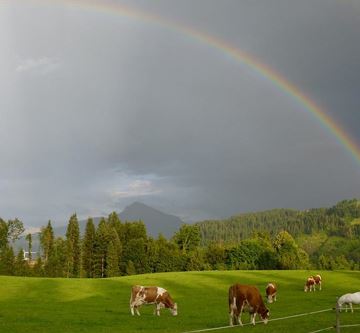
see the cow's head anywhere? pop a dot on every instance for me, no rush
(265, 315)
(269, 298)
(174, 310)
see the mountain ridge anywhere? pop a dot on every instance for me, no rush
(156, 222)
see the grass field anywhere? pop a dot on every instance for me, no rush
(102, 305)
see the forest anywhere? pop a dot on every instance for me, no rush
(321, 238)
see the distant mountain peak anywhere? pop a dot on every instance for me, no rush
(156, 221)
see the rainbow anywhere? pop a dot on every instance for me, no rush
(235, 53)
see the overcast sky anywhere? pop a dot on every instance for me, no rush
(98, 110)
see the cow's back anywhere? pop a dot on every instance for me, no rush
(245, 292)
(253, 296)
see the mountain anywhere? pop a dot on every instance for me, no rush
(155, 221)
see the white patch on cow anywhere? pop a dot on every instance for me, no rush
(271, 285)
(160, 291)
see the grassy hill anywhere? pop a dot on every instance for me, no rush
(102, 305)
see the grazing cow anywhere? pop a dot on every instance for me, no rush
(317, 279)
(151, 295)
(310, 284)
(271, 291)
(245, 297)
(349, 299)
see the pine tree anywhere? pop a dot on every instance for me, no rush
(38, 269)
(29, 240)
(55, 266)
(88, 249)
(3, 234)
(47, 240)
(73, 247)
(20, 264)
(102, 239)
(7, 261)
(112, 261)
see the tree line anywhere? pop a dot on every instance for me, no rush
(266, 240)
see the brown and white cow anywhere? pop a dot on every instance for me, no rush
(246, 297)
(317, 279)
(310, 284)
(151, 295)
(271, 291)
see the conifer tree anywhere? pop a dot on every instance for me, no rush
(29, 240)
(38, 269)
(3, 234)
(20, 264)
(47, 240)
(55, 266)
(7, 261)
(112, 261)
(102, 239)
(88, 249)
(73, 247)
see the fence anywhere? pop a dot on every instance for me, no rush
(337, 326)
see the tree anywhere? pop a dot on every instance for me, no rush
(15, 229)
(112, 261)
(20, 264)
(135, 251)
(38, 269)
(187, 238)
(28, 238)
(88, 249)
(47, 240)
(7, 261)
(55, 267)
(215, 255)
(102, 239)
(73, 247)
(290, 256)
(3, 234)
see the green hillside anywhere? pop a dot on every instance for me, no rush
(102, 305)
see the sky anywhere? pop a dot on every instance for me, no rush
(99, 109)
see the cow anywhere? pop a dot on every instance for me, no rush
(271, 291)
(349, 299)
(151, 295)
(310, 284)
(246, 297)
(317, 279)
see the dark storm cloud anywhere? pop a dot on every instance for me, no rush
(102, 110)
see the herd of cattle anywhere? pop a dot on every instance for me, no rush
(241, 298)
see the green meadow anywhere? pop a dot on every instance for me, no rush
(102, 305)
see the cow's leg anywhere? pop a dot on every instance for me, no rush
(137, 310)
(231, 316)
(252, 318)
(239, 316)
(320, 285)
(132, 307)
(157, 308)
(231, 319)
(351, 308)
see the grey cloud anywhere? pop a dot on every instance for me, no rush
(138, 112)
